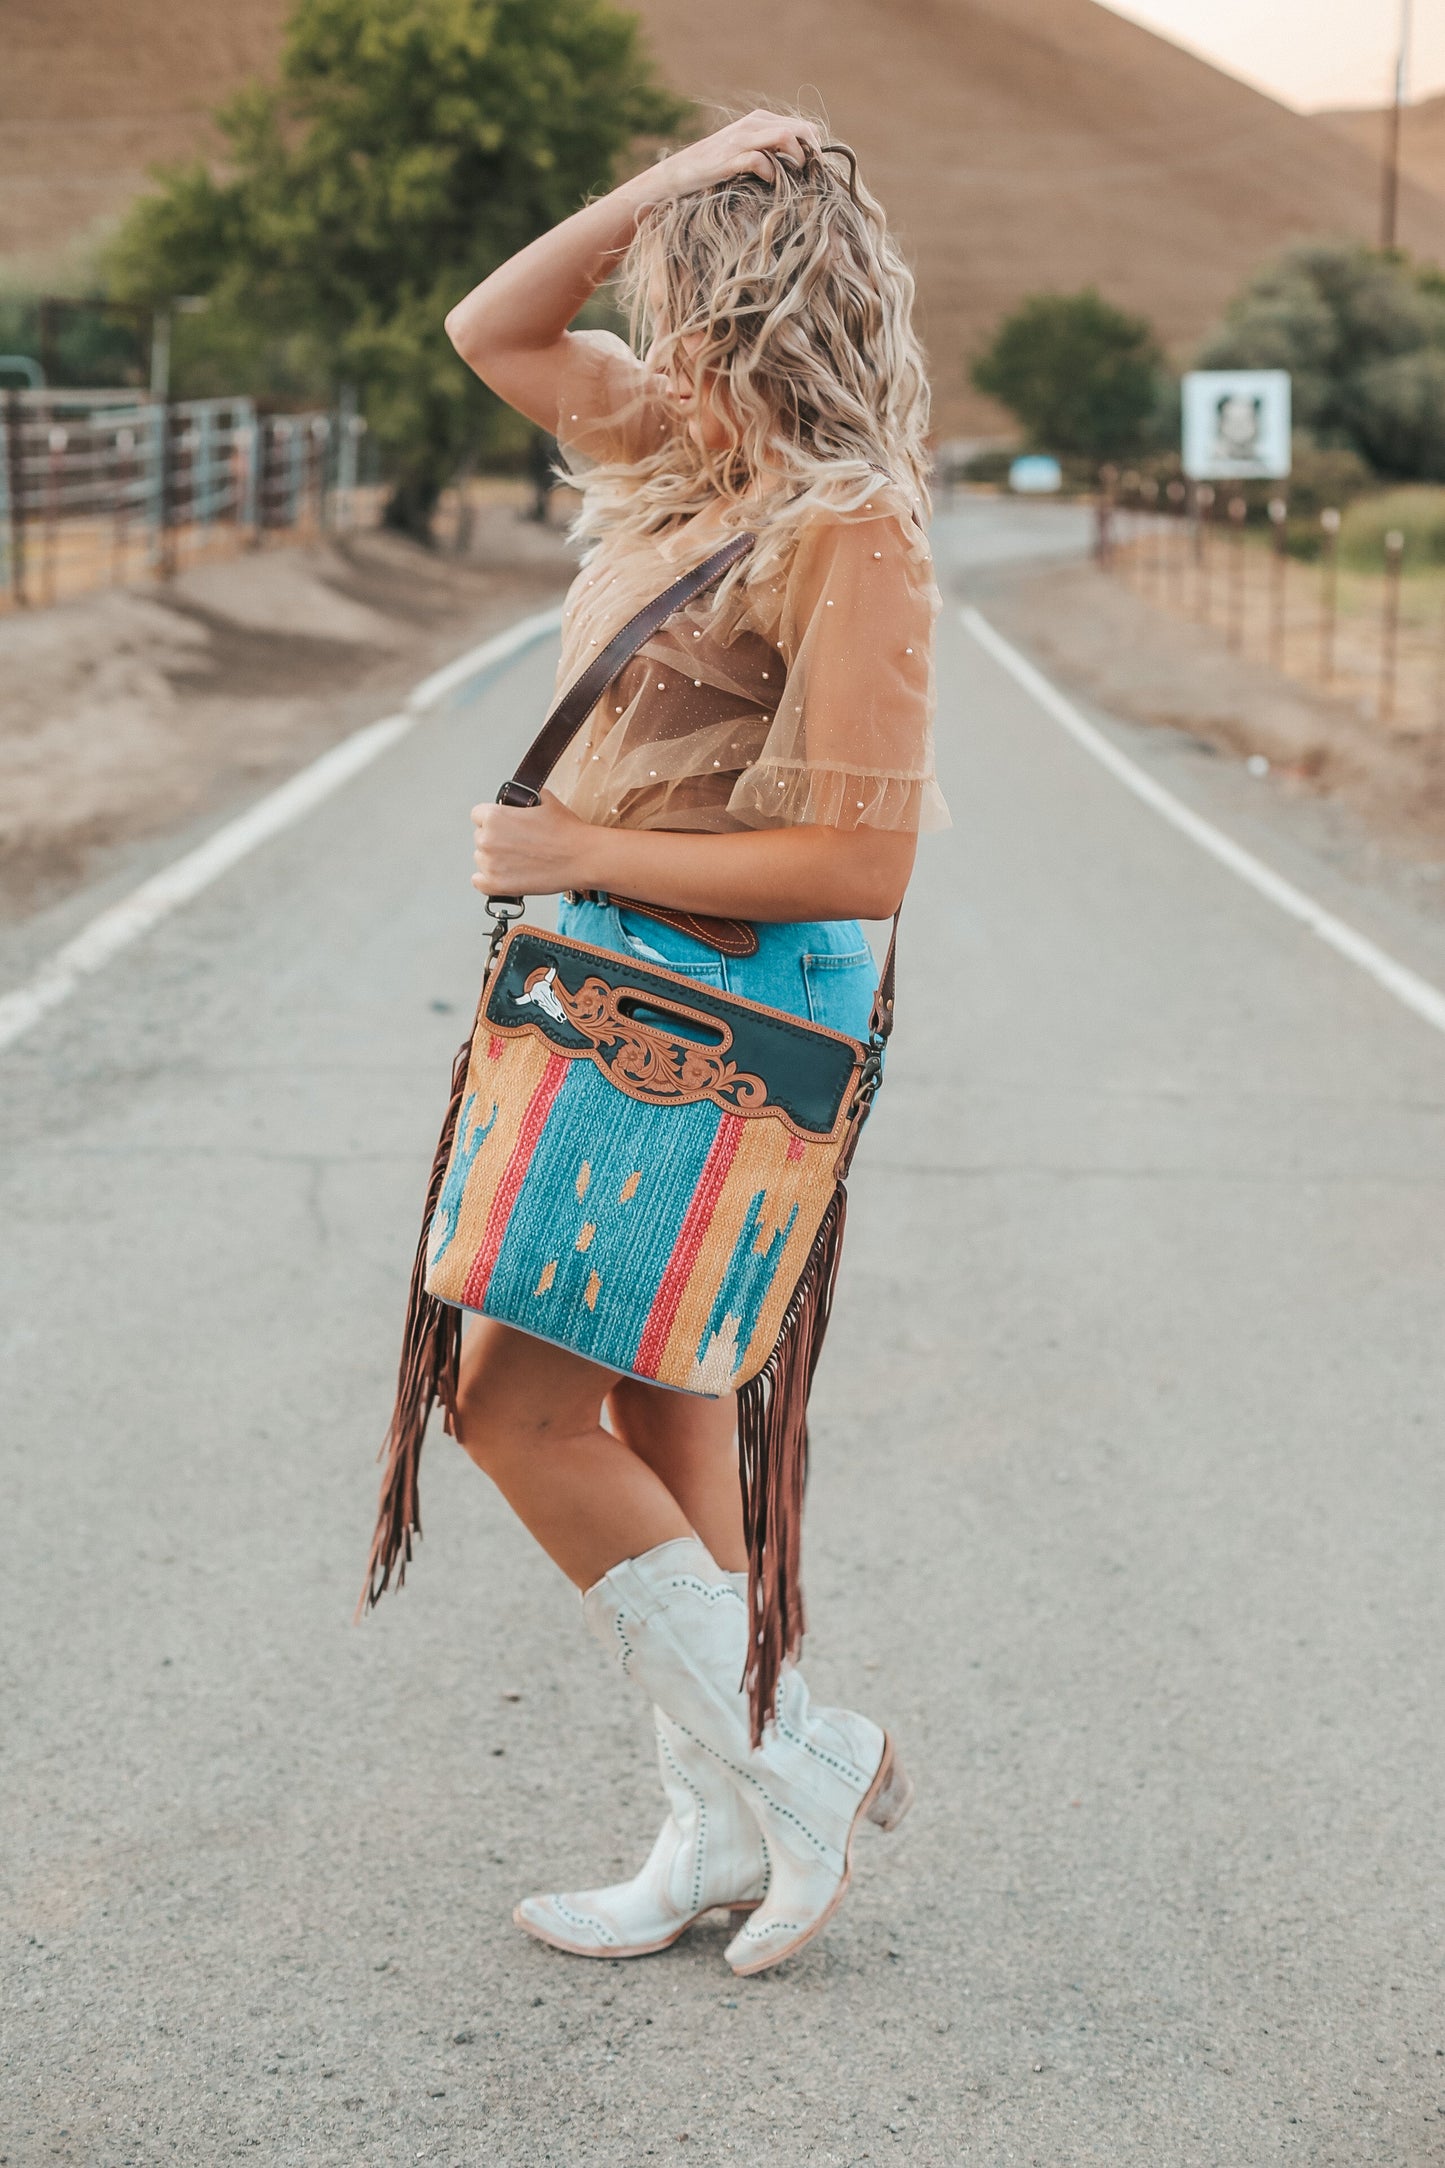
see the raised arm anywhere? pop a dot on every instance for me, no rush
(512, 329)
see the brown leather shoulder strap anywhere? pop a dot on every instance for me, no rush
(524, 788)
(880, 1024)
(583, 694)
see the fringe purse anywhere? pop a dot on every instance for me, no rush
(645, 1171)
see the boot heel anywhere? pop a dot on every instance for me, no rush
(893, 1791)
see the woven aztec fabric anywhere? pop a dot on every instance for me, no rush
(662, 1237)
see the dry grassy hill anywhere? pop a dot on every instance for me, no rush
(1422, 137)
(1019, 144)
(93, 92)
(1044, 143)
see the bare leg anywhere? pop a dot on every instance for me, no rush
(692, 1445)
(529, 1416)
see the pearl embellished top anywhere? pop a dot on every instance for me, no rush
(806, 701)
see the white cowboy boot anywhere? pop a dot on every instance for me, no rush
(681, 1631)
(708, 1853)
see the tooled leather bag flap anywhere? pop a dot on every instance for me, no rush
(661, 1037)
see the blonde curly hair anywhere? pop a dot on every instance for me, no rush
(787, 303)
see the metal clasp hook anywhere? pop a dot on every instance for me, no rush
(503, 911)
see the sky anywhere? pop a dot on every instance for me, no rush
(1310, 53)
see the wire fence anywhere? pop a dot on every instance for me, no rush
(99, 488)
(1372, 633)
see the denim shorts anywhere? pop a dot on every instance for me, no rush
(821, 969)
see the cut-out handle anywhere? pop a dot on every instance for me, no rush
(659, 1015)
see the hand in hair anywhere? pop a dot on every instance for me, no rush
(512, 329)
(753, 144)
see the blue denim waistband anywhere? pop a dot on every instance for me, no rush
(821, 969)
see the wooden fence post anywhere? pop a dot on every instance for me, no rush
(166, 493)
(15, 493)
(1203, 505)
(1278, 567)
(1103, 517)
(1178, 496)
(57, 440)
(1329, 590)
(1390, 623)
(1238, 512)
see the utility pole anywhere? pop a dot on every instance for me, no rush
(1390, 198)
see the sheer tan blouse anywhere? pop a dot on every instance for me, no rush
(809, 700)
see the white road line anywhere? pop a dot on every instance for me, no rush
(1407, 986)
(115, 929)
(454, 678)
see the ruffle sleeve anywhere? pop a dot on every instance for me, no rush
(610, 407)
(851, 742)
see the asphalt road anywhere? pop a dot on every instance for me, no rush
(1126, 1516)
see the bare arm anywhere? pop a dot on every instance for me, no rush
(512, 329)
(766, 873)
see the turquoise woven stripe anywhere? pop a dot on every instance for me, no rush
(748, 1278)
(473, 1130)
(617, 1137)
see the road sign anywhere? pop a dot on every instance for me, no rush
(1236, 424)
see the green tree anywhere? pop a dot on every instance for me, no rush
(1362, 332)
(1080, 375)
(409, 147)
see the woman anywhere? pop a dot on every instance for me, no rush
(765, 758)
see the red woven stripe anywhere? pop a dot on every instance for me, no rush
(534, 1121)
(716, 1166)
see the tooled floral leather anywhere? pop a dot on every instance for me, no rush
(643, 1059)
(809, 1073)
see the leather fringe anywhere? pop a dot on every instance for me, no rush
(773, 1464)
(430, 1354)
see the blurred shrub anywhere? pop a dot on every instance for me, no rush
(411, 146)
(991, 465)
(78, 339)
(1362, 332)
(1418, 514)
(1082, 377)
(1322, 475)
(1400, 417)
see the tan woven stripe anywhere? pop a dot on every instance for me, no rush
(509, 1084)
(761, 1162)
